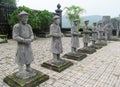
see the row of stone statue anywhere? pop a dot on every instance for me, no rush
(99, 35)
(23, 34)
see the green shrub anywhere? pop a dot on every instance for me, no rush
(34, 21)
(45, 18)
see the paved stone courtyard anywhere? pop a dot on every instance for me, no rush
(101, 69)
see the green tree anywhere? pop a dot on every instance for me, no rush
(34, 21)
(73, 12)
(10, 2)
(45, 18)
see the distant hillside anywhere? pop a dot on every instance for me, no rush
(92, 19)
(65, 22)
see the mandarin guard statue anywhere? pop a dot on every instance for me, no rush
(56, 64)
(25, 77)
(95, 37)
(100, 32)
(94, 33)
(86, 34)
(74, 54)
(75, 36)
(56, 44)
(86, 40)
(23, 34)
(101, 35)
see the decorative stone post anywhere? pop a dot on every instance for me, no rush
(59, 13)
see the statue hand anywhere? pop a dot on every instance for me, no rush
(27, 41)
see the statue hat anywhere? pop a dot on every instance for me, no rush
(56, 17)
(76, 20)
(23, 13)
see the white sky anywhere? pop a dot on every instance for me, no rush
(92, 7)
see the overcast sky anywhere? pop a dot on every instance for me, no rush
(92, 7)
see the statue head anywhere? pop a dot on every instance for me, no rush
(56, 19)
(95, 24)
(76, 22)
(23, 17)
(86, 22)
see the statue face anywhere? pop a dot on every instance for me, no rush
(24, 19)
(86, 23)
(76, 23)
(57, 21)
(94, 24)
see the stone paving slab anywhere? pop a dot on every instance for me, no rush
(100, 69)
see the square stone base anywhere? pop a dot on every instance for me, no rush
(114, 39)
(59, 66)
(87, 50)
(102, 43)
(96, 46)
(14, 81)
(78, 56)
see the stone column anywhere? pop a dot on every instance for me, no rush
(59, 13)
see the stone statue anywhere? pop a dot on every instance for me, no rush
(107, 27)
(74, 54)
(86, 39)
(100, 32)
(23, 34)
(56, 44)
(108, 31)
(94, 33)
(57, 64)
(75, 36)
(86, 34)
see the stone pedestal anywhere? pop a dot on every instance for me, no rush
(95, 46)
(87, 50)
(114, 39)
(57, 66)
(78, 56)
(103, 43)
(34, 81)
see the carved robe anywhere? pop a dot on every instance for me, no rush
(23, 34)
(86, 34)
(94, 34)
(56, 44)
(75, 37)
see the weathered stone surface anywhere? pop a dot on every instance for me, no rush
(22, 33)
(77, 56)
(114, 39)
(14, 81)
(87, 50)
(95, 46)
(103, 43)
(57, 66)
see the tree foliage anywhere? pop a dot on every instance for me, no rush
(45, 18)
(73, 12)
(10, 2)
(34, 21)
